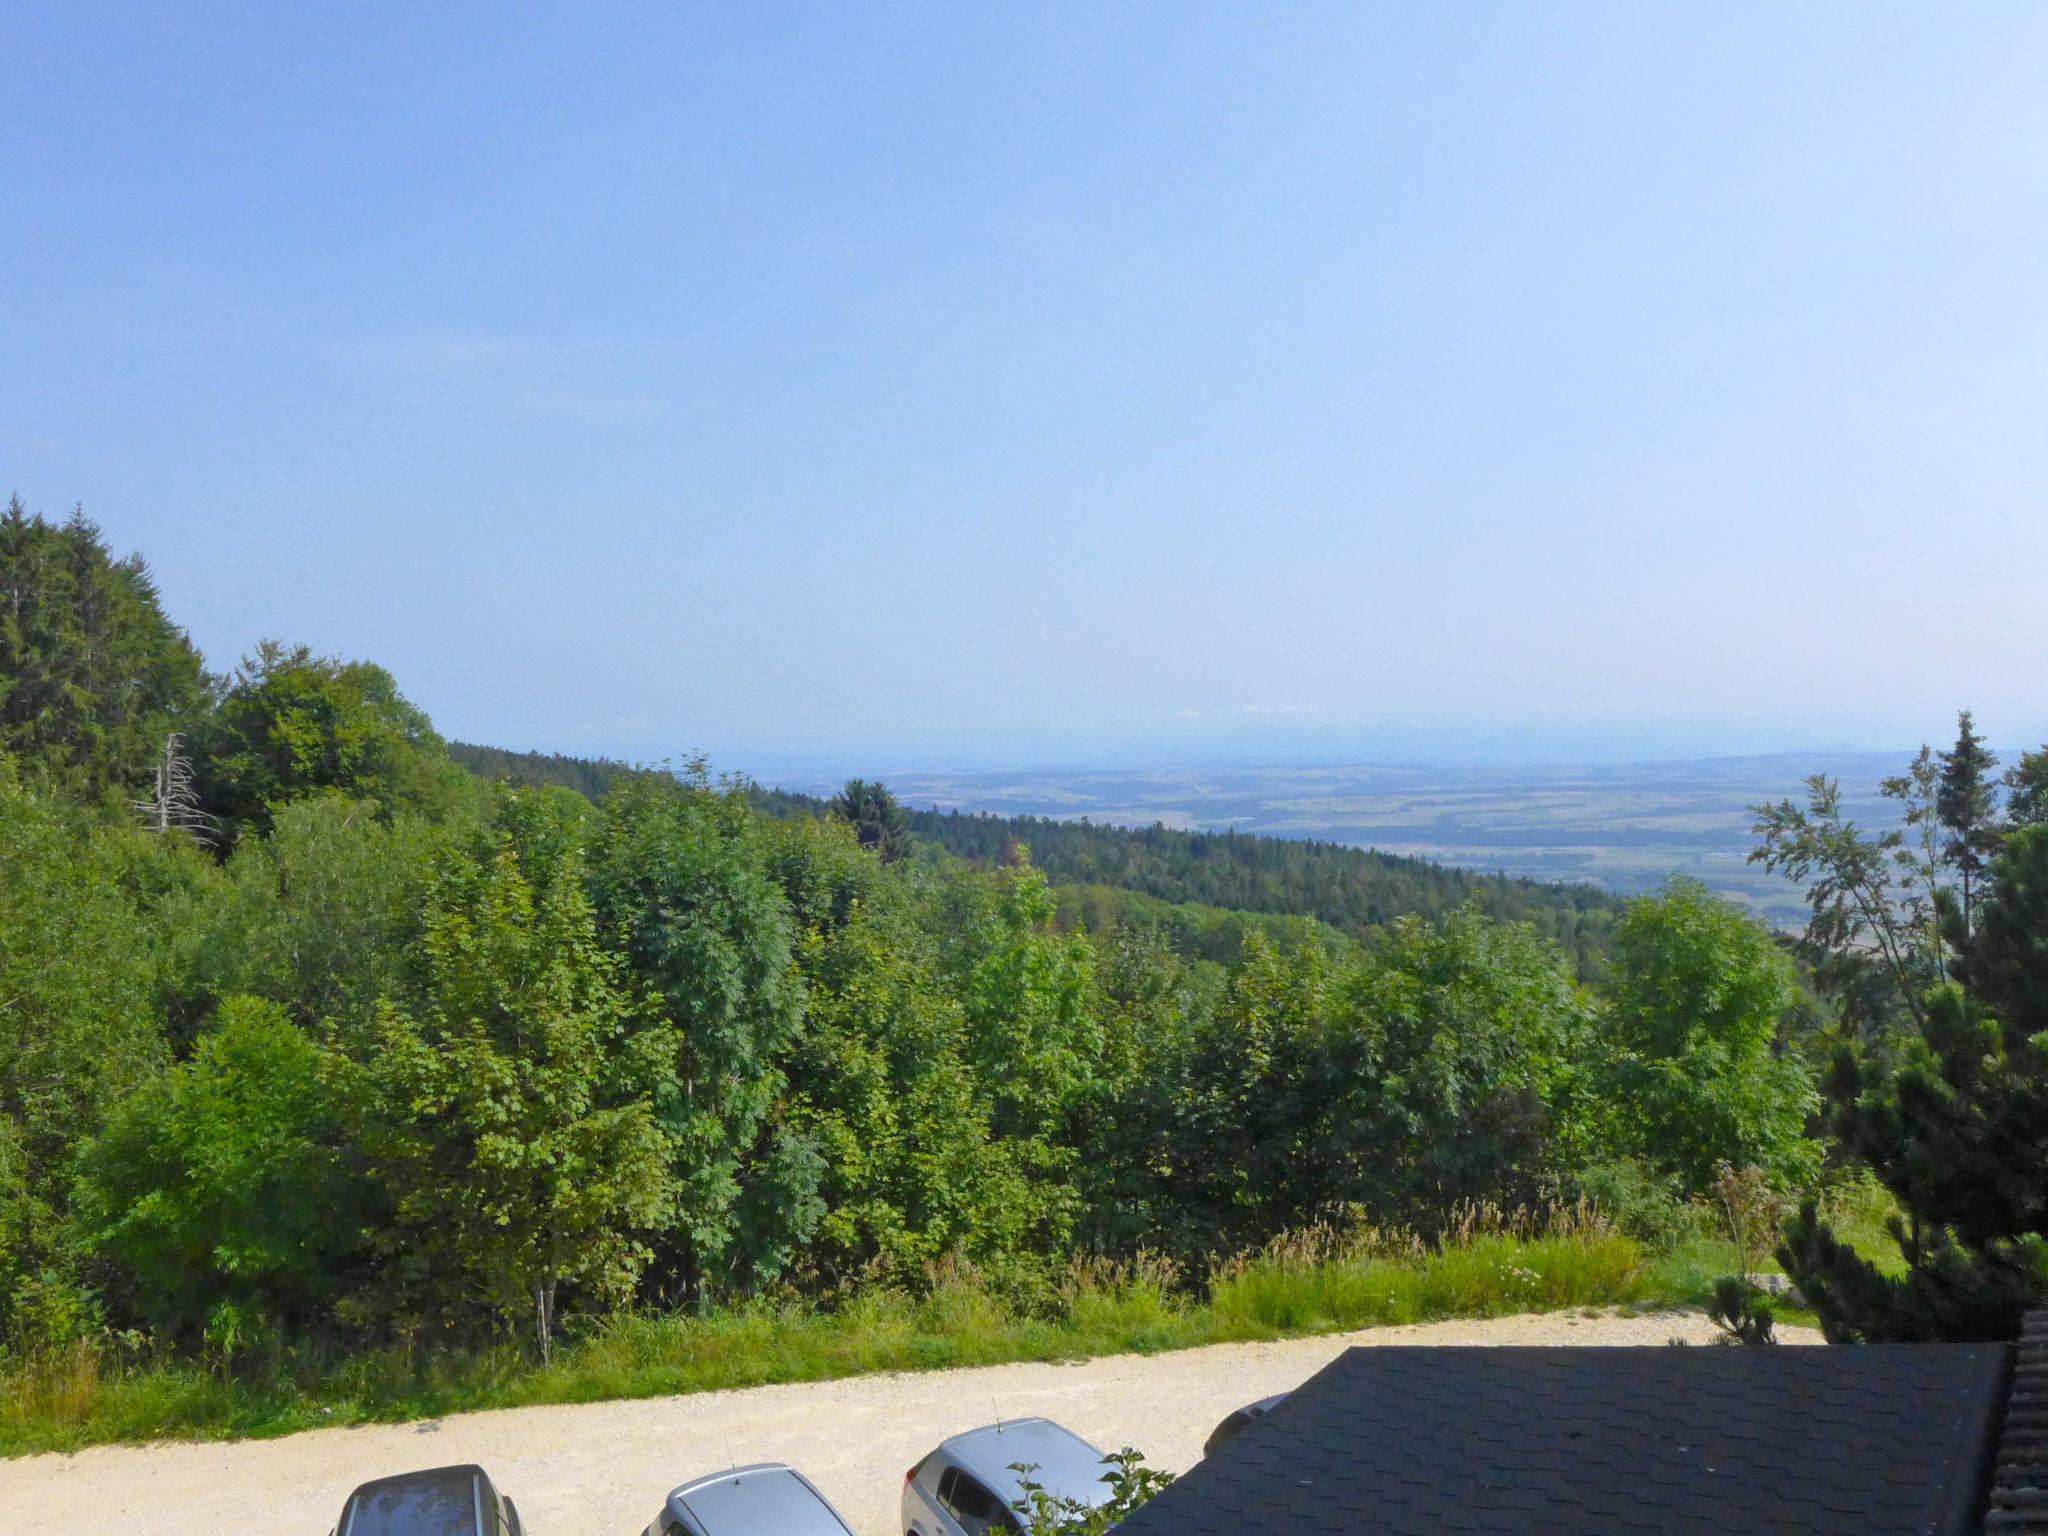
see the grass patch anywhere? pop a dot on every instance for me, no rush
(1486, 1264)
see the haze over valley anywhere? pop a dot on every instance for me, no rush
(1624, 826)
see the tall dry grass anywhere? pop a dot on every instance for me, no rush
(1337, 1274)
(1487, 1262)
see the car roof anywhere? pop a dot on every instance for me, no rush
(766, 1499)
(440, 1501)
(1254, 1411)
(1063, 1463)
(1240, 1419)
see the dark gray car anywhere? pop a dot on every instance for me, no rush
(441, 1501)
(969, 1486)
(768, 1499)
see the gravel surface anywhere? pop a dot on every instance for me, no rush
(604, 1467)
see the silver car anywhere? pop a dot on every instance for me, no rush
(768, 1499)
(970, 1486)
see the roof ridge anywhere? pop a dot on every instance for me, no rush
(2019, 1477)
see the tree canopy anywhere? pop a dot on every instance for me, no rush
(93, 676)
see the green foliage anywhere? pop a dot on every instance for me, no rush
(590, 777)
(877, 820)
(323, 916)
(2026, 789)
(1965, 803)
(418, 1061)
(93, 676)
(1873, 904)
(221, 1183)
(1483, 1030)
(97, 1394)
(1949, 1118)
(78, 1034)
(506, 1107)
(1952, 1132)
(1354, 890)
(1439, 1069)
(882, 1085)
(1697, 997)
(1213, 934)
(1742, 1311)
(1131, 1483)
(2005, 966)
(682, 885)
(292, 724)
(1650, 1207)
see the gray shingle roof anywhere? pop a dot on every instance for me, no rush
(1876, 1440)
(2019, 1487)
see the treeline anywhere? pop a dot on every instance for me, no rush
(306, 1031)
(588, 776)
(1352, 890)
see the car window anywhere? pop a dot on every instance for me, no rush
(976, 1509)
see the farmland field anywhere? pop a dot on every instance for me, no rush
(1624, 826)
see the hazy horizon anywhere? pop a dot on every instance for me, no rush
(1045, 386)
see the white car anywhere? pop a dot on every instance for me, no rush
(768, 1499)
(969, 1486)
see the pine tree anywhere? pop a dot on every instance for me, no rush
(2026, 789)
(876, 818)
(1958, 1132)
(1965, 804)
(92, 674)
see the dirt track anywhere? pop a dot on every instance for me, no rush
(603, 1467)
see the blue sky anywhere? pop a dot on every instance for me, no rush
(1021, 384)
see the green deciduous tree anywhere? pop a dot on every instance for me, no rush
(224, 1181)
(682, 884)
(78, 1026)
(1871, 901)
(1696, 1078)
(292, 724)
(1482, 1031)
(1442, 1068)
(506, 1104)
(323, 915)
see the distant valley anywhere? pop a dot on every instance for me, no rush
(1626, 827)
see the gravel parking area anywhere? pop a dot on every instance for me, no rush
(601, 1469)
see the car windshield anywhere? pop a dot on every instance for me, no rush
(443, 1505)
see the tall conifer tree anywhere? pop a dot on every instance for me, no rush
(1965, 803)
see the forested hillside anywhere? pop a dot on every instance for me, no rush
(1351, 889)
(310, 1034)
(309, 1029)
(588, 776)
